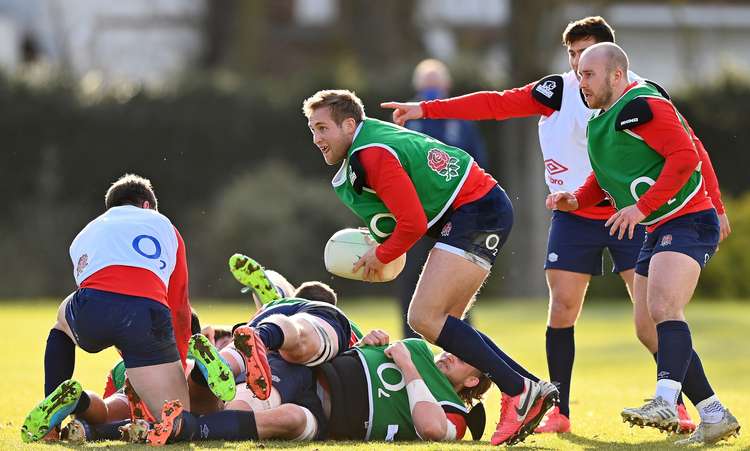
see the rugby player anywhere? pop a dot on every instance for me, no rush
(403, 185)
(378, 392)
(131, 271)
(645, 161)
(576, 239)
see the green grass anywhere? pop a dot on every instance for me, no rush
(612, 369)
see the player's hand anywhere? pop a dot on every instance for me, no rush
(404, 111)
(373, 268)
(625, 220)
(563, 201)
(725, 228)
(208, 332)
(376, 337)
(399, 353)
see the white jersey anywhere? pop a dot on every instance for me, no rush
(127, 236)
(562, 135)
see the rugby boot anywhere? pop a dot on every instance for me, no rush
(656, 413)
(554, 422)
(515, 413)
(710, 433)
(214, 368)
(251, 274)
(138, 408)
(249, 344)
(162, 431)
(687, 425)
(51, 412)
(76, 432)
(550, 397)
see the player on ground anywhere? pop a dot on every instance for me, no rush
(403, 185)
(645, 161)
(131, 270)
(378, 392)
(576, 239)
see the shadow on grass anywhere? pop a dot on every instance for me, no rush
(668, 443)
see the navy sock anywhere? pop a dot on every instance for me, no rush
(105, 431)
(506, 358)
(59, 360)
(680, 399)
(675, 350)
(561, 352)
(696, 386)
(188, 428)
(227, 425)
(464, 342)
(83, 403)
(271, 335)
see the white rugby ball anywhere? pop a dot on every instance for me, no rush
(346, 246)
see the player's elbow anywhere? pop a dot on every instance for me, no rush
(432, 431)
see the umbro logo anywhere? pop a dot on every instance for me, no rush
(553, 167)
(546, 88)
(629, 121)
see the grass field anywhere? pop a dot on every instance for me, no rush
(612, 370)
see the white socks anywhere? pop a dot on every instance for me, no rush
(710, 409)
(668, 390)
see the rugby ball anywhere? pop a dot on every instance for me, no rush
(346, 246)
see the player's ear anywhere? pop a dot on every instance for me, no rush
(349, 125)
(471, 382)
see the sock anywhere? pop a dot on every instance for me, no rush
(511, 363)
(561, 351)
(667, 389)
(59, 360)
(83, 403)
(188, 427)
(464, 342)
(271, 335)
(696, 386)
(673, 358)
(197, 376)
(227, 425)
(680, 400)
(105, 431)
(710, 409)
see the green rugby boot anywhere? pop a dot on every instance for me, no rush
(217, 372)
(251, 274)
(51, 412)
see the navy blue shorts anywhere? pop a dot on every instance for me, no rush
(328, 313)
(577, 244)
(477, 230)
(140, 328)
(297, 384)
(695, 235)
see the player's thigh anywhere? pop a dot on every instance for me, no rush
(61, 322)
(671, 283)
(158, 383)
(447, 284)
(319, 340)
(288, 421)
(117, 407)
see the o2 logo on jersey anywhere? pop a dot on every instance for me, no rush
(396, 380)
(149, 247)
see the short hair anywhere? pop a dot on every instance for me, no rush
(344, 104)
(195, 322)
(130, 189)
(429, 66)
(588, 27)
(316, 291)
(475, 393)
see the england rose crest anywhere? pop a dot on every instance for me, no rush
(82, 263)
(442, 163)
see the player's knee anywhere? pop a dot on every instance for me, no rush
(563, 311)
(647, 336)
